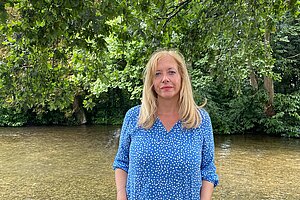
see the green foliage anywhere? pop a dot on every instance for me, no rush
(245, 114)
(12, 117)
(287, 119)
(286, 45)
(241, 114)
(54, 117)
(111, 107)
(53, 53)
(245, 111)
(41, 71)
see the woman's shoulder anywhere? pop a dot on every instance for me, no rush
(203, 112)
(133, 112)
(204, 116)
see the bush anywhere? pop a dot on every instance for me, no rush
(54, 117)
(286, 121)
(240, 114)
(245, 114)
(12, 117)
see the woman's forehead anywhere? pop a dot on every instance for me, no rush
(166, 61)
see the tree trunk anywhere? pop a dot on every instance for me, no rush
(253, 79)
(268, 81)
(78, 110)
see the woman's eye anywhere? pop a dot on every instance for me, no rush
(172, 72)
(157, 73)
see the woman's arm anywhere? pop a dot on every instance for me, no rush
(207, 190)
(121, 179)
(121, 162)
(208, 169)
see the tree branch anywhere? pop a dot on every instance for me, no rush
(175, 7)
(294, 56)
(175, 10)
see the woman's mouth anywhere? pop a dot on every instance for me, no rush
(166, 87)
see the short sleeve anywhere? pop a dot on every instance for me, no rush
(208, 168)
(122, 157)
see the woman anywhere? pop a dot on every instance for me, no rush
(166, 148)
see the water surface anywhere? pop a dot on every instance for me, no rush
(257, 167)
(75, 163)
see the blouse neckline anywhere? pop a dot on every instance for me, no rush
(165, 129)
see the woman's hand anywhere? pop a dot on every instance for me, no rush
(207, 190)
(121, 179)
(121, 194)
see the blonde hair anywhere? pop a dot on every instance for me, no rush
(188, 110)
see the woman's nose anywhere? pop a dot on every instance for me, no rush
(165, 79)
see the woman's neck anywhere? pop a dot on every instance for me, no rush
(167, 107)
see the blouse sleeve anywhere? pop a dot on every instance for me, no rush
(122, 157)
(208, 168)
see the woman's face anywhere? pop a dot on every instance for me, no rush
(167, 80)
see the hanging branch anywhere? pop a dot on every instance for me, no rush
(293, 56)
(175, 10)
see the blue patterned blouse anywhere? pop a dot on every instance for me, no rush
(165, 165)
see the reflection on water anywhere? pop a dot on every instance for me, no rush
(75, 163)
(57, 162)
(257, 167)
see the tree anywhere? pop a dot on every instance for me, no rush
(42, 41)
(76, 57)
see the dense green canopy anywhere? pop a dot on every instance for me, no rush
(82, 61)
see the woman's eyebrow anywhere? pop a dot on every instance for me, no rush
(174, 68)
(171, 68)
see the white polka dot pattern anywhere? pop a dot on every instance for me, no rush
(166, 165)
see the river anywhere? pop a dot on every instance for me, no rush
(58, 162)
